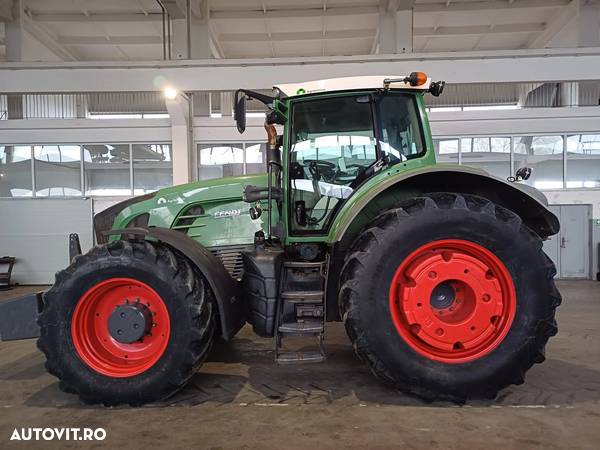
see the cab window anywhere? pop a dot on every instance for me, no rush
(332, 144)
(400, 126)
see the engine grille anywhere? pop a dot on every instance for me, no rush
(231, 257)
(187, 221)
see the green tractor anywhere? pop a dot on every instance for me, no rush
(436, 270)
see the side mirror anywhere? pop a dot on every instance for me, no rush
(437, 88)
(239, 110)
(523, 173)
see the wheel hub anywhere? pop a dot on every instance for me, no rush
(452, 300)
(442, 296)
(130, 322)
(120, 327)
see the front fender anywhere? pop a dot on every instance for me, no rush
(224, 287)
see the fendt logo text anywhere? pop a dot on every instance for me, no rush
(58, 434)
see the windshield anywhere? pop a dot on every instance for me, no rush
(335, 147)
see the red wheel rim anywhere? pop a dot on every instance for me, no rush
(452, 301)
(95, 345)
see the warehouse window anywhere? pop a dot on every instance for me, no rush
(491, 154)
(152, 167)
(256, 158)
(107, 169)
(57, 170)
(15, 171)
(446, 150)
(544, 154)
(583, 161)
(220, 160)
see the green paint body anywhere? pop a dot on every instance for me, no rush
(226, 219)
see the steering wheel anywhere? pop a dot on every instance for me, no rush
(316, 167)
(354, 165)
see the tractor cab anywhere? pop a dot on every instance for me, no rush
(339, 133)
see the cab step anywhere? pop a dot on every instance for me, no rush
(301, 310)
(303, 264)
(303, 296)
(310, 327)
(300, 357)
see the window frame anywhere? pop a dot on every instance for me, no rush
(81, 145)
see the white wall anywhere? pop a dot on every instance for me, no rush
(576, 196)
(36, 232)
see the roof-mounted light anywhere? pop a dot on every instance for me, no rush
(414, 79)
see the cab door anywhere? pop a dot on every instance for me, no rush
(332, 143)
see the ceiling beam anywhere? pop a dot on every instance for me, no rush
(297, 36)
(486, 5)
(558, 21)
(96, 17)
(109, 40)
(295, 12)
(215, 45)
(469, 30)
(198, 9)
(6, 14)
(541, 65)
(330, 11)
(176, 8)
(47, 39)
(370, 33)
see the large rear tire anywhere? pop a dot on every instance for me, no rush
(449, 297)
(144, 282)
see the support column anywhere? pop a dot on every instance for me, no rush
(25, 40)
(195, 43)
(13, 36)
(588, 35)
(588, 31)
(181, 138)
(396, 26)
(13, 32)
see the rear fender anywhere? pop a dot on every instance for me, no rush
(395, 185)
(525, 201)
(224, 287)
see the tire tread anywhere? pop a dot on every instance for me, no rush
(532, 350)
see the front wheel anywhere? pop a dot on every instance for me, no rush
(449, 296)
(129, 322)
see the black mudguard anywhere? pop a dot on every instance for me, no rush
(225, 288)
(18, 317)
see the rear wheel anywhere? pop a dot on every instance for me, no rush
(129, 322)
(461, 292)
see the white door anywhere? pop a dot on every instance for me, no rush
(552, 245)
(570, 248)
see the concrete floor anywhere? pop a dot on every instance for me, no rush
(241, 399)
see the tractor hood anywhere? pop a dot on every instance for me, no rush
(211, 211)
